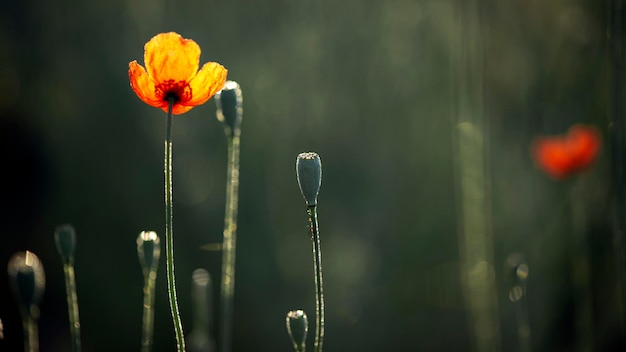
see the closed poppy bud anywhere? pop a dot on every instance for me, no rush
(297, 328)
(28, 281)
(65, 239)
(149, 250)
(229, 106)
(309, 172)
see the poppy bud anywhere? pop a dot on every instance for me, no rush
(65, 239)
(297, 328)
(229, 107)
(309, 173)
(28, 281)
(148, 249)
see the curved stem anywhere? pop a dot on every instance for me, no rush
(72, 306)
(148, 311)
(319, 286)
(169, 238)
(230, 242)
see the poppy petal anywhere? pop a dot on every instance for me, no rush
(552, 156)
(585, 144)
(209, 80)
(177, 109)
(562, 156)
(143, 85)
(170, 57)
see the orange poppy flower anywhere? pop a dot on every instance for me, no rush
(562, 156)
(172, 71)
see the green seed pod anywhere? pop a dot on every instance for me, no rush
(309, 173)
(65, 239)
(149, 250)
(28, 281)
(229, 107)
(297, 328)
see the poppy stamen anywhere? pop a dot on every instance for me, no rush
(180, 91)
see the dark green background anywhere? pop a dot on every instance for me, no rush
(369, 85)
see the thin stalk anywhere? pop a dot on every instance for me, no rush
(319, 286)
(524, 341)
(148, 312)
(72, 305)
(616, 28)
(580, 271)
(169, 238)
(471, 150)
(31, 334)
(200, 338)
(230, 241)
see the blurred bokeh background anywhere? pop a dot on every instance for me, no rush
(373, 87)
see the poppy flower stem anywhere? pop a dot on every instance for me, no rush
(65, 239)
(230, 241)
(31, 335)
(169, 238)
(618, 140)
(149, 251)
(72, 305)
(319, 286)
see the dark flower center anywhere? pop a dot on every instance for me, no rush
(179, 90)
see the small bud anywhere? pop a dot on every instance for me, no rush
(309, 173)
(297, 328)
(229, 107)
(65, 239)
(149, 250)
(28, 281)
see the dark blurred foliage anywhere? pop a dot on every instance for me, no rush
(366, 84)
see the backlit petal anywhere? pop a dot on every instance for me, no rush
(179, 109)
(584, 144)
(168, 56)
(143, 85)
(209, 80)
(553, 157)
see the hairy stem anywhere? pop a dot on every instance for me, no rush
(230, 242)
(31, 334)
(72, 305)
(618, 144)
(169, 238)
(148, 312)
(319, 286)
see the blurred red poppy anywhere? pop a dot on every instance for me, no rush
(563, 156)
(172, 72)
